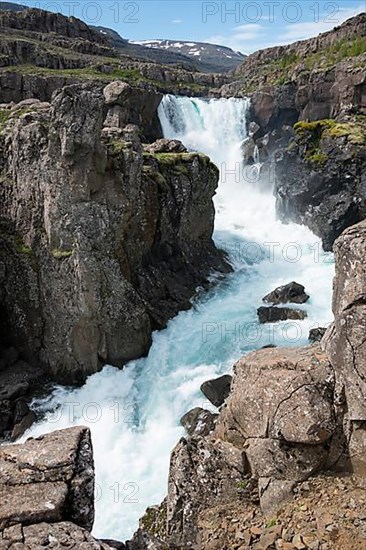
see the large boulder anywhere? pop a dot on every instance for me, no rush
(277, 427)
(280, 413)
(47, 493)
(291, 292)
(217, 389)
(345, 341)
(48, 479)
(272, 314)
(165, 146)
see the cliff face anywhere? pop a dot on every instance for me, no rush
(307, 80)
(320, 176)
(308, 107)
(101, 242)
(42, 51)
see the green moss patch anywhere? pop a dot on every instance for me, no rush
(354, 130)
(4, 117)
(60, 254)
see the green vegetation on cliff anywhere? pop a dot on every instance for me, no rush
(354, 130)
(4, 117)
(280, 70)
(312, 134)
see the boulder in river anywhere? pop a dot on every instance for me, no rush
(198, 421)
(316, 334)
(292, 292)
(217, 389)
(272, 314)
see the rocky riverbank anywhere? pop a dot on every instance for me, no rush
(292, 427)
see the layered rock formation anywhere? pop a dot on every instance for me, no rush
(308, 80)
(47, 492)
(42, 51)
(102, 242)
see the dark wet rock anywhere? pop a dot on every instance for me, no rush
(17, 383)
(272, 314)
(316, 334)
(23, 425)
(8, 357)
(198, 421)
(319, 178)
(291, 292)
(217, 389)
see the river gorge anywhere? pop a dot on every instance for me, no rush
(134, 413)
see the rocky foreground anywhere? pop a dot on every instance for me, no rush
(47, 493)
(245, 478)
(281, 466)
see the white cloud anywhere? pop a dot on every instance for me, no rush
(250, 37)
(240, 37)
(327, 21)
(177, 21)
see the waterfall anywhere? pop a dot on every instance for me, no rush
(134, 413)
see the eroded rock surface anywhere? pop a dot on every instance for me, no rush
(47, 493)
(272, 314)
(320, 176)
(291, 292)
(277, 428)
(102, 243)
(48, 479)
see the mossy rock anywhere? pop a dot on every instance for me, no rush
(318, 158)
(60, 254)
(354, 130)
(116, 147)
(154, 174)
(355, 133)
(4, 117)
(154, 521)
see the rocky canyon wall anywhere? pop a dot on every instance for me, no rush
(102, 241)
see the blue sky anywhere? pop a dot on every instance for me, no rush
(243, 25)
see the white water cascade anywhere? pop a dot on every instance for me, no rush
(134, 413)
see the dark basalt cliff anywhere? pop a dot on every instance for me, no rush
(308, 108)
(321, 177)
(101, 241)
